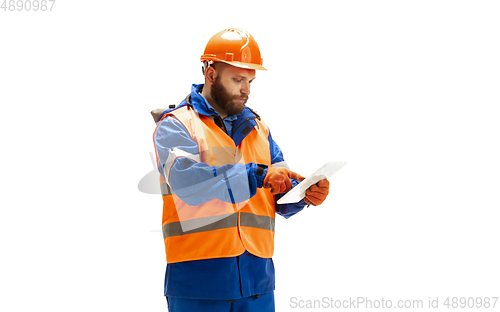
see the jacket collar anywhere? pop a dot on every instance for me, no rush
(198, 102)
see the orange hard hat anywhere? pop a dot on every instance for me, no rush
(234, 46)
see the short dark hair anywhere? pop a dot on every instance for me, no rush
(219, 66)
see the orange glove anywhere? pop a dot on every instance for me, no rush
(316, 194)
(278, 179)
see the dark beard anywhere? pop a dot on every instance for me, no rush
(225, 100)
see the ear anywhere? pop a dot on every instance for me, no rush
(210, 75)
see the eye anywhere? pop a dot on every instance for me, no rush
(237, 80)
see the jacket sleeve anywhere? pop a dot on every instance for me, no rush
(277, 160)
(194, 181)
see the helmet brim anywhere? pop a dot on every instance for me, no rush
(245, 65)
(236, 64)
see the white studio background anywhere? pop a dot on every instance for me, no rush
(406, 92)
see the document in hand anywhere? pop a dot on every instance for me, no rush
(298, 192)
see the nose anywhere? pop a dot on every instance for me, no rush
(245, 88)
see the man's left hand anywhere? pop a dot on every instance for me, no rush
(316, 194)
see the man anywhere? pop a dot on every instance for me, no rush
(221, 175)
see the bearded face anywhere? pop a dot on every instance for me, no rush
(232, 104)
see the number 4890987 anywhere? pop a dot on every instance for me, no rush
(27, 5)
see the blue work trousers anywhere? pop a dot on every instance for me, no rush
(261, 303)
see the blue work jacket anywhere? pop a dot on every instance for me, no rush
(221, 278)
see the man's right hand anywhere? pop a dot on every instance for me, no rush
(278, 179)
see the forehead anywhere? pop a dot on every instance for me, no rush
(236, 71)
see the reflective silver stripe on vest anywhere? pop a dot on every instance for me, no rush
(200, 225)
(256, 221)
(229, 220)
(165, 189)
(281, 164)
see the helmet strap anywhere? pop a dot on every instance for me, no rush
(206, 64)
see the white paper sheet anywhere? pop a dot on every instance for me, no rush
(298, 192)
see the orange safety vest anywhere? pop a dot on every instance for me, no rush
(217, 229)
